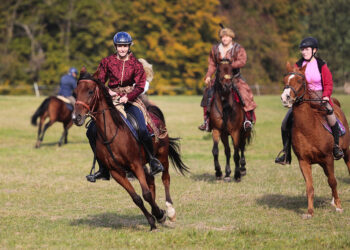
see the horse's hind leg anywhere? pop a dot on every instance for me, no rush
(328, 169)
(41, 131)
(170, 210)
(242, 161)
(147, 195)
(123, 181)
(347, 158)
(215, 151)
(224, 139)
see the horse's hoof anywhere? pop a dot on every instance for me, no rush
(153, 228)
(339, 210)
(238, 179)
(306, 216)
(170, 211)
(243, 172)
(162, 220)
(227, 179)
(218, 178)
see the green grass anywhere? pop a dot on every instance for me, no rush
(45, 201)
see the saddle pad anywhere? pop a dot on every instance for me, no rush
(328, 128)
(132, 129)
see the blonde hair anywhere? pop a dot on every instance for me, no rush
(226, 32)
(148, 69)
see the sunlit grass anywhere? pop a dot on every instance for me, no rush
(45, 201)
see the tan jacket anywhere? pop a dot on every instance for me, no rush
(238, 56)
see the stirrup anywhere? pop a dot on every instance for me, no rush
(155, 166)
(340, 153)
(284, 162)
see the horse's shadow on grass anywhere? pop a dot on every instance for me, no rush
(55, 144)
(294, 203)
(344, 179)
(204, 177)
(113, 220)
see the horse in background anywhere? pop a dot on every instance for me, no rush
(227, 119)
(312, 143)
(56, 110)
(120, 151)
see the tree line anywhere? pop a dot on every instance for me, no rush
(41, 39)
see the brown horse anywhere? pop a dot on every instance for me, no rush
(227, 118)
(118, 149)
(311, 143)
(56, 110)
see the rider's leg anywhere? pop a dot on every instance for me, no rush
(206, 102)
(103, 172)
(285, 156)
(145, 139)
(332, 121)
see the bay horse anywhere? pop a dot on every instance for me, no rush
(312, 143)
(227, 119)
(56, 110)
(118, 149)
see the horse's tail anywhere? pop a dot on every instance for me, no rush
(41, 110)
(247, 137)
(175, 156)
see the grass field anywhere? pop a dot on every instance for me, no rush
(45, 201)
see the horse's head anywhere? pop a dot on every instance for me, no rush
(225, 75)
(294, 86)
(87, 94)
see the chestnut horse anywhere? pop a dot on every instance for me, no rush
(312, 144)
(56, 110)
(226, 119)
(118, 149)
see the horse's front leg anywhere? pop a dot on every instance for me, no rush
(215, 151)
(124, 182)
(236, 158)
(306, 170)
(224, 139)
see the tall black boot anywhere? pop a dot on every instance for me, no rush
(156, 166)
(337, 151)
(103, 172)
(285, 156)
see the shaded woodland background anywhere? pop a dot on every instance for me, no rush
(40, 40)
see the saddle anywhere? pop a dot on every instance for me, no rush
(66, 101)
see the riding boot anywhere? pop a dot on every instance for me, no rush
(103, 172)
(156, 166)
(285, 156)
(337, 151)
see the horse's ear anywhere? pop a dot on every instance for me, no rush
(289, 67)
(96, 74)
(302, 70)
(82, 71)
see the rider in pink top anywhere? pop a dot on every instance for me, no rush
(320, 86)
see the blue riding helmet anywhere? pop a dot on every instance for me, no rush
(73, 70)
(122, 38)
(309, 42)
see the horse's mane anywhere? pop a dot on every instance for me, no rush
(116, 115)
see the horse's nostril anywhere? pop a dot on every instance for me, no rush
(288, 97)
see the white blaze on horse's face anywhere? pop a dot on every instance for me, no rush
(286, 99)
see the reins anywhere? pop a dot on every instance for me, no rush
(300, 99)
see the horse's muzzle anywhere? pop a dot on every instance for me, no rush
(287, 100)
(78, 119)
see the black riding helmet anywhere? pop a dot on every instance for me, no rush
(309, 42)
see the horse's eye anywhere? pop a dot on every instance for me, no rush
(91, 92)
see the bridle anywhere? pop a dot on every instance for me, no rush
(300, 99)
(95, 99)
